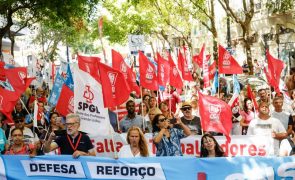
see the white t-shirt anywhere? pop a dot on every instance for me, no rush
(285, 147)
(283, 117)
(125, 152)
(265, 127)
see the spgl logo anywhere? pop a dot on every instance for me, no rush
(123, 69)
(226, 59)
(88, 94)
(22, 76)
(113, 77)
(214, 111)
(149, 73)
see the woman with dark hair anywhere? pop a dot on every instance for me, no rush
(137, 144)
(210, 147)
(166, 139)
(247, 115)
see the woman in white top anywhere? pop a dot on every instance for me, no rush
(287, 146)
(137, 144)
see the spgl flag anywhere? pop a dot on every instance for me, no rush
(115, 89)
(183, 67)
(226, 63)
(163, 70)
(88, 103)
(147, 70)
(216, 115)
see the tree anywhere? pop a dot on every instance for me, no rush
(243, 18)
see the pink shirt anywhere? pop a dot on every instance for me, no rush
(247, 116)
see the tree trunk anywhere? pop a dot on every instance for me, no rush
(249, 56)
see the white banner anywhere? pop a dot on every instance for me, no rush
(88, 104)
(191, 146)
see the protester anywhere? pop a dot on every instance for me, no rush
(191, 121)
(284, 116)
(171, 97)
(163, 106)
(210, 147)
(257, 68)
(19, 146)
(137, 144)
(195, 105)
(247, 114)
(263, 96)
(146, 98)
(131, 119)
(268, 126)
(166, 139)
(56, 122)
(152, 102)
(40, 96)
(19, 110)
(72, 142)
(152, 113)
(144, 110)
(3, 139)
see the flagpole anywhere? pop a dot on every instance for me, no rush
(113, 140)
(218, 85)
(169, 89)
(117, 119)
(27, 110)
(158, 98)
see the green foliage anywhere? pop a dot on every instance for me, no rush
(281, 6)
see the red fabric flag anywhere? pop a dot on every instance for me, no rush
(115, 88)
(275, 67)
(198, 58)
(226, 63)
(89, 65)
(8, 100)
(120, 65)
(147, 70)
(163, 71)
(252, 97)
(65, 103)
(216, 115)
(175, 79)
(212, 70)
(183, 67)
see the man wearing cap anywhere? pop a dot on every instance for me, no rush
(193, 122)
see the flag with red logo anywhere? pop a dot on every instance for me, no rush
(89, 64)
(163, 70)
(216, 115)
(205, 68)
(175, 79)
(183, 67)
(147, 71)
(120, 65)
(65, 103)
(275, 67)
(88, 103)
(251, 96)
(226, 62)
(115, 89)
(212, 70)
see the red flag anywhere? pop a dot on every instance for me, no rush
(147, 70)
(183, 67)
(8, 100)
(65, 103)
(275, 67)
(212, 70)
(89, 65)
(252, 97)
(226, 63)
(163, 71)
(115, 88)
(175, 79)
(199, 57)
(120, 65)
(216, 115)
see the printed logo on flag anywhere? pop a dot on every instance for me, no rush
(226, 59)
(174, 71)
(123, 69)
(149, 73)
(162, 72)
(87, 68)
(214, 111)
(113, 77)
(88, 94)
(22, 76)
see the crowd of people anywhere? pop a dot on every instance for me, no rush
(164, 114)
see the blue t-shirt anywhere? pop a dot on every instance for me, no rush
(3, 140)
(170, 146)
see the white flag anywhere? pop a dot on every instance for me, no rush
(88, 104)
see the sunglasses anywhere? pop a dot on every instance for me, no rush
(162, 120)
(186, 108)
(18, 121)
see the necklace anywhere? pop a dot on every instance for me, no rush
(134, 151)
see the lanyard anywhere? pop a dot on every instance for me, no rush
(77, 143)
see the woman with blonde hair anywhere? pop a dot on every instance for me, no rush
(137, 144)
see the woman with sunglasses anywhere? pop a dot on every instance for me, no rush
(166, 139)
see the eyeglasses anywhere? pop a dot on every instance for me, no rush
(70, 124)
(18, 121)
(162, 120)
(186, 108)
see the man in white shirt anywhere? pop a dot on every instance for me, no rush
(269, 126)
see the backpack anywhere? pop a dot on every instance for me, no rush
(292, 152)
